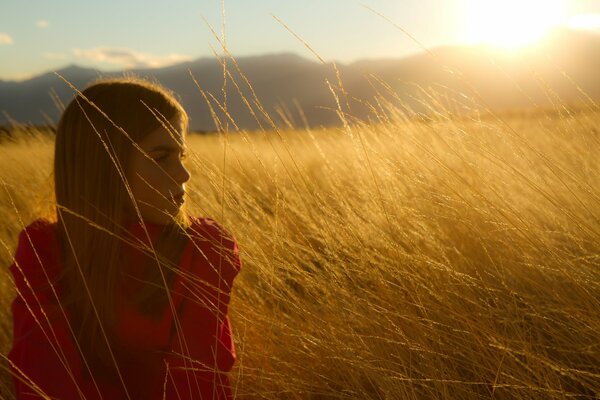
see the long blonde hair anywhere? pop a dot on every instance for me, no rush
(95, 138)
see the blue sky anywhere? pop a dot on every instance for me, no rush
(41, 35)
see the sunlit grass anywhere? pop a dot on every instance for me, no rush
(456, 258)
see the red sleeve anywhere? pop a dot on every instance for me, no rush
(202, 349)
(44, 359)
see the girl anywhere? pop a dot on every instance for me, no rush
(121, 294)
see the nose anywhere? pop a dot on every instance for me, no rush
(181, 174)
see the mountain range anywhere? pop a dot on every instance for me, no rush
(564, 68)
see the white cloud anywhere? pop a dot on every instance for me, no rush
(42, 24)
(128, 58)
(54, 56)
(22, 76)
(5, 38)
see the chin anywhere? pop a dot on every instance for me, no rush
(168, 214)
(161, 219)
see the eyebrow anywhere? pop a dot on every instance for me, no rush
(167, 148)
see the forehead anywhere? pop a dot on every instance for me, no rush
(172, 135)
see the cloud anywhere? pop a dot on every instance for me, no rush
(23, 76)
(5, 38)
(128, 58)
(42, 24)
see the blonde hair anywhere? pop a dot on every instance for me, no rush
(95, 138)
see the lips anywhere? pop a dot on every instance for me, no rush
(179, 198)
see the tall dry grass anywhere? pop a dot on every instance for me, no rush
(457, 258)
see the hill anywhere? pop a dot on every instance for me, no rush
(465, 78)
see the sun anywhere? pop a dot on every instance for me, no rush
(590, 22)
(511, 24)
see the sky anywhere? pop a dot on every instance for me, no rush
(38, 36)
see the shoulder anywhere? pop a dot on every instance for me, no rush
(38, 236)
(205, 232)
(39, 226)
(205, 228)
(36, 256)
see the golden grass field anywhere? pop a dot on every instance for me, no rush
(457, 258)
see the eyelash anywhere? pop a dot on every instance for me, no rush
(183, 156)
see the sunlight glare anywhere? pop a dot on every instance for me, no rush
(585, 22)
(511, 23)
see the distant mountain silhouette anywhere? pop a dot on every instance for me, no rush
(464, 78)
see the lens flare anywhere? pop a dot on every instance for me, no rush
(511, 23)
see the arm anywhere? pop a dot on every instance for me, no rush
(202, 346)
(192, 372)
(44, 359)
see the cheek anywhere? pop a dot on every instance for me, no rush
(137, 181)
(147, 181)
(137, 175)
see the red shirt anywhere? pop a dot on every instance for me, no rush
(195, 354)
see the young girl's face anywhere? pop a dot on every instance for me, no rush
(157, 174)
